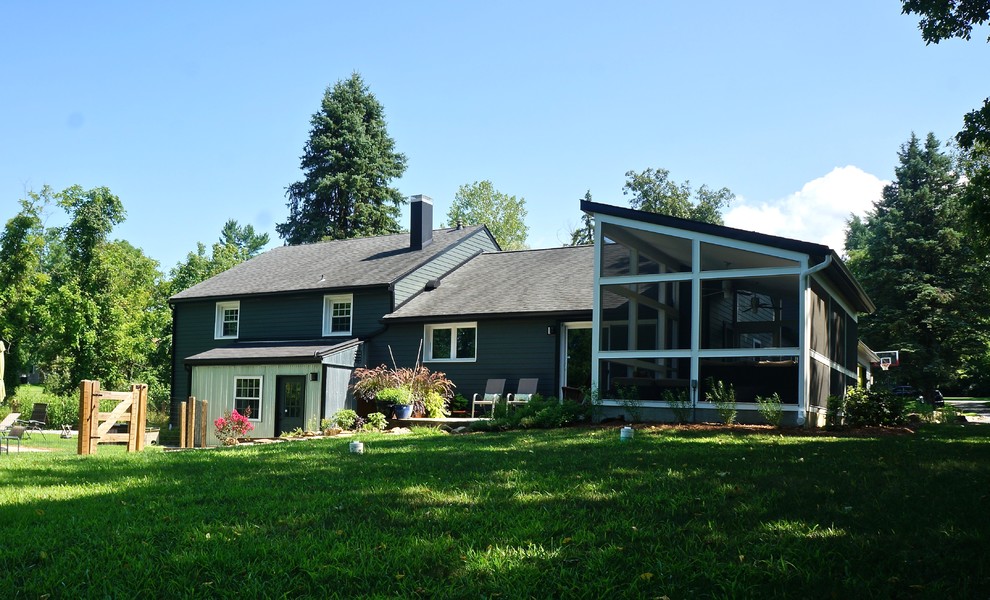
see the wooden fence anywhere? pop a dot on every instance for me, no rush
(95, 425)
(193, 419)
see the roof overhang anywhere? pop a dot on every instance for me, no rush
(243, 353)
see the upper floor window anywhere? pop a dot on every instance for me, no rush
(452, 342)
(228, 319)
(337, 313)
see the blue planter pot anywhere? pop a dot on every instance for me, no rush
(402, 411)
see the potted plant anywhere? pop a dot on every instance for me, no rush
(426, 391)
(398, 399)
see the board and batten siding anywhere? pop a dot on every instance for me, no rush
(215, 384)
(512, 349)
(441, 264)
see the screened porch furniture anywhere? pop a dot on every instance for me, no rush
(493, 393)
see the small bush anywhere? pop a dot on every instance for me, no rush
(345, 419)
(394, 395)
(724, 398)
(376, 422)
(629, 398)
(435, 406)
(679, 404)
(835, 412)
(538, 413)
(771, 409)
(874, 408)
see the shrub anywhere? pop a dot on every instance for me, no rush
(459, 402)
(538, 413)
(435, 406)
(771, 409)
(835, 412)
(874, 407)
(419, 381)
(232, 425)
(724, 398)
(376, 422)
(679, 404)
(345, 419)
(629, 397)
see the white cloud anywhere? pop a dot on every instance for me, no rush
(817, 213)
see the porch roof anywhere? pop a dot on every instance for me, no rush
(307, 352)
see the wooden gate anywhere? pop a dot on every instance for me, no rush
(94, 426)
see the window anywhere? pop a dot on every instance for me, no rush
(228, 318)
(453, 342)
(247, 396)
(337, 314)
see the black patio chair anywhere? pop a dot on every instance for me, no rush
(38, 420)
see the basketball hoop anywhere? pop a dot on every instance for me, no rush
(885, 362)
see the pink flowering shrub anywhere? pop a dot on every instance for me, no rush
(232, 425)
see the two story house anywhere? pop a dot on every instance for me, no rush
(656, 305)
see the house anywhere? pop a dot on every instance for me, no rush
(656, 309)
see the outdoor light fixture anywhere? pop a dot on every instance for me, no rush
(551, 330)
(314, 376)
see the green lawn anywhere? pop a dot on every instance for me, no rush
(565, 513)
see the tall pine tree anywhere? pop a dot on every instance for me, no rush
(348, 163)
(916, 264)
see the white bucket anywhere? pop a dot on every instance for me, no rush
(625, 434)
(357, 447)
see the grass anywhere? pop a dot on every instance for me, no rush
(560, 513)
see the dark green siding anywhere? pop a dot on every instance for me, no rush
(269, 318)
(507, 348)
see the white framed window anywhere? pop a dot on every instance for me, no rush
(337, 313)
(452, 342)
(228, 320)
(247, 396)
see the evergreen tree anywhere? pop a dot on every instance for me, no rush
(654, 191)
(585, 234)
(915, 263)
(481, 204)
(348, 163)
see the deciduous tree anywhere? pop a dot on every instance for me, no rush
(348, 164)
(481, 204)
(653, 191)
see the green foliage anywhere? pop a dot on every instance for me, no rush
(724, 398)
(481, 204)
(875, 407)
(376, 422)
(679, 404)
(538, 413)
(348, 163)
(460, 402)
(771, 408)
(912, 258)
(835, 411)
(393, 395)
(418, 381)
(345, 419)
(435, 405)
(585, 234)
(630, 401)
(653, 191)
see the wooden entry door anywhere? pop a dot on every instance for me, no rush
(290, 402)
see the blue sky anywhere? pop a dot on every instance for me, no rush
(196, 112)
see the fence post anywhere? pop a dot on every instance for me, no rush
(93, 437)
(85, 416)
(182, 424)
(142, 415)
(191, 423)
(204, 415)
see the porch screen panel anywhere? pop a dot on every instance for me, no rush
(819, 319)
(716, 257)
(643, 378)
(820, 384)
(754, 312)
(643, 316)
(752, 377)
(630, 251)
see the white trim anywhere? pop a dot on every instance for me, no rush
(261, 394)
(822, 359)
(562, 341)
(218, 323)
(328, 304)
(654, 278)
(453, 327)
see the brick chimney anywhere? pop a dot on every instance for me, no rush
(421, 225)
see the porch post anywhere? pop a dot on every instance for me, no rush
(695, 324)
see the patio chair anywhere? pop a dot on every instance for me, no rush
(493, 393)
(525, 391)
(17, 432)
(38, 420)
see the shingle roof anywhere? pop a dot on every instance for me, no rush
(269, 352)
(553, 280)
(358, 262)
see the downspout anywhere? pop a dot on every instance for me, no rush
(802, 415)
